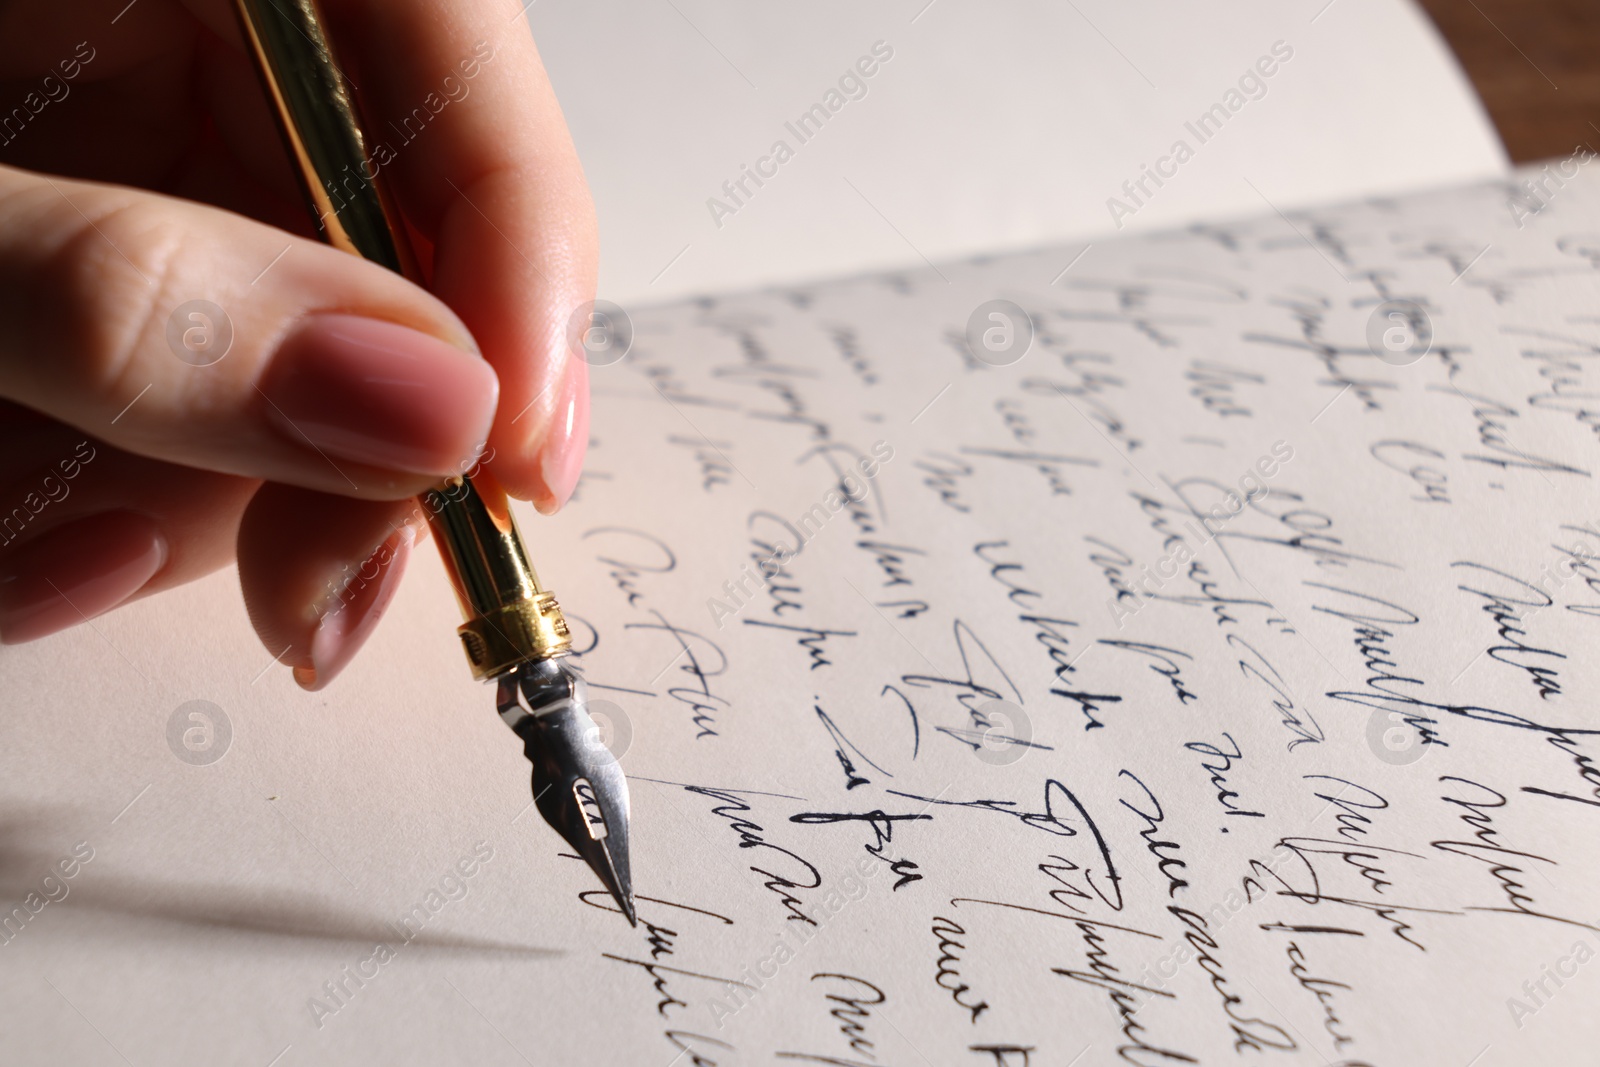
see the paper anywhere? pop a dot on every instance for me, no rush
(1033, 754)
(949, 128)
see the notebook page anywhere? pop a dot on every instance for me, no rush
(1206, 680)
(952, 128)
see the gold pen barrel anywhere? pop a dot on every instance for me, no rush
(510, 617)
(319, 123)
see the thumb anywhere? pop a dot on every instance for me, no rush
(192, 335)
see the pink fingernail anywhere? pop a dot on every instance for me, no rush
(75, 572)
(360, 598)
(561, 458)
(380, 394)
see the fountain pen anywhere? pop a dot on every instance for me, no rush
(515, 634)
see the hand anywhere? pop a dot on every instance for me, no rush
(140, 170)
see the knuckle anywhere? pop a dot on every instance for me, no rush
(115, 272)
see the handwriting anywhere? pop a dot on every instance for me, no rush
(1221, 763)
(1159, 818)
(1508, 609)
(946, 976)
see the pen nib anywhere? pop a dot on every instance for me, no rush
(577, 785)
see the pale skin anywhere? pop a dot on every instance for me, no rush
(150, 174)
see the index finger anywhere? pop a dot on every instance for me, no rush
(463, 124)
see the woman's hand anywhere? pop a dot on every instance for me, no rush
(148, 211)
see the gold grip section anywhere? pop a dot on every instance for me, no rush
(529, 629)
(510, 617)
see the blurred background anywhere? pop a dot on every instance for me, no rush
(1535, 63)
(976, 129)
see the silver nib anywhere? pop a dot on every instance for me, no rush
(577, 785)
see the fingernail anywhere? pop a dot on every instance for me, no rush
(561, 458)
(380, 394)
(75, 572)
(360, 597)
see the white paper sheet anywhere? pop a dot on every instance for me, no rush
(990, 126)
(1201, 822)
